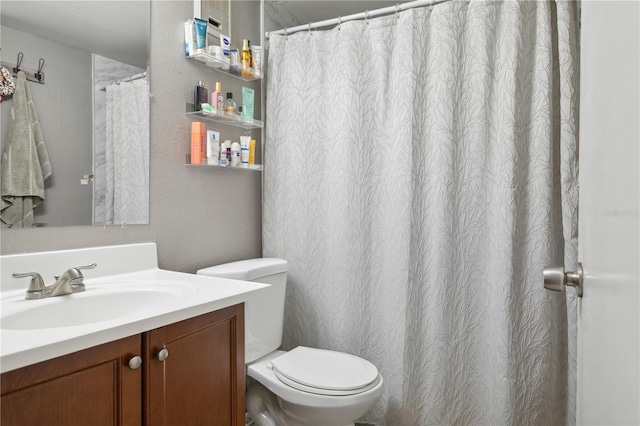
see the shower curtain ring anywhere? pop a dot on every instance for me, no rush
(285, 33)
(366, 16)
(309, 27)
(398, 10)
(339, 22)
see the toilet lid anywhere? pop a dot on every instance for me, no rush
(325, 372)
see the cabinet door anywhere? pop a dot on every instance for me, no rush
(201, 381)
(90, 387)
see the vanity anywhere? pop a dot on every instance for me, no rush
(141, 345)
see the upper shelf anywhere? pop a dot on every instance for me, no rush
(218, 65)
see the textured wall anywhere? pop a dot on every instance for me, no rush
(199, 216)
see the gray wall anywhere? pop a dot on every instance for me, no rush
(199, 216)
(64, 110)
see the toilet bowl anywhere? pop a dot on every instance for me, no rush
(304, 386)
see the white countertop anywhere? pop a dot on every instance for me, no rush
(118, 267)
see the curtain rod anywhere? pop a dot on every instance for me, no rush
(133, 77)
(363, 15)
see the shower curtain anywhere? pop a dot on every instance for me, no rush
(127, 153)
(421, 171)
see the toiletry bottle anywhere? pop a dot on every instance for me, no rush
(220, 100)
(245, 59)
(256, 59)
(244, 150)
(234, 62)
(201, 35)
(252, 151)
(200, 96)
(230, 105)
(217, 99)
(223, 153)
(247, 102)
(197, 142)
(213, 147)
(235, 154)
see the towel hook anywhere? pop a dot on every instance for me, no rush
(18, 62)
(39, 75)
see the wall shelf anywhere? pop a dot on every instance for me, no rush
(224, 67)
(224, 118)
(251, 167)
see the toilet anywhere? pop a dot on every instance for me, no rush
(303, 386)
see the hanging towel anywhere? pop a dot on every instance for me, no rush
(25, 160)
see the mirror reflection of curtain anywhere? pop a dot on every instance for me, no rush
(127, 153)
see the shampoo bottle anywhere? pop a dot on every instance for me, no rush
(200, 96)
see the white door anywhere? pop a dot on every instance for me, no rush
(608, 324)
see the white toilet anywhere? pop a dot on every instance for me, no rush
(304, 386)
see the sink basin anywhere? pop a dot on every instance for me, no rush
(105, 301)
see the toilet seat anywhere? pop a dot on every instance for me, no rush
(325, 372)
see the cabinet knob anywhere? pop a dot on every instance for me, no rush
(135, 362)
(163, 354)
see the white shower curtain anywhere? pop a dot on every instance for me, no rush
(420, 173)
(127, 153)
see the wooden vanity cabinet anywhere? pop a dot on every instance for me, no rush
(94, 386)
(201, 380)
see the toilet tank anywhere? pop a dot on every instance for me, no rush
(263, 316)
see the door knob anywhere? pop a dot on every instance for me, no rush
(555, 278)
(162, 355)
(135, 362)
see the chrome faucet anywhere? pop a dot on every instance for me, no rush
(71, 281)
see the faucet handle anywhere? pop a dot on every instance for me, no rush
(36, 284)
(93, 265)
(75, 274)
(76, 278)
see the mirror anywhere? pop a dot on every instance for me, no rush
(91, 50)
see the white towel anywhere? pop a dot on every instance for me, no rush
(25, 160)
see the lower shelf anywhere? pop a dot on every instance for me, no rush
(251, 167)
